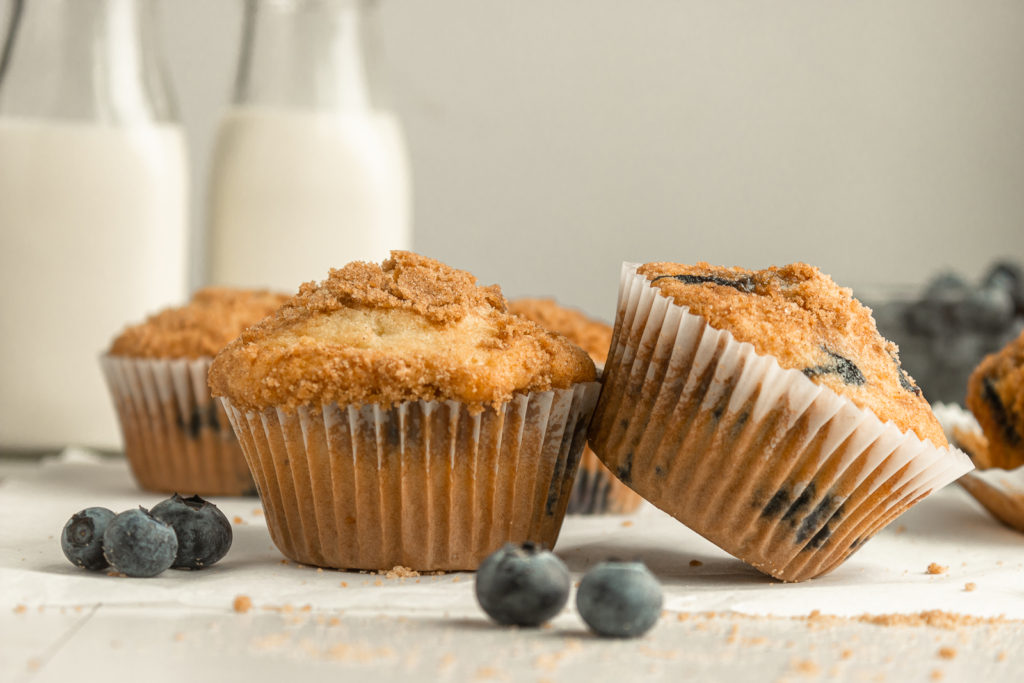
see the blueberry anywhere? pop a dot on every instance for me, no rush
(619, 599)
(204, 533)
(524, 586)
(82, 538)
(1008, 277)
(989, 309)
(137, 544)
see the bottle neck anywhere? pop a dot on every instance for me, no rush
(93, 60)
(303, 54)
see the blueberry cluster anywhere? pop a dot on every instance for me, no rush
(526, 586)
(946, 331)
(183, 533)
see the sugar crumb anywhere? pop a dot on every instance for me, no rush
(237, 520)
(257, 512)
(947, 652)
(398, 572)
(344, 584)
(846, 654)
(627, 523)
(806, 667)
(242, 604)
(937, 675)
(20, 609)
(696, 563)
(1001, 657)
(936, 568)
(970, 586)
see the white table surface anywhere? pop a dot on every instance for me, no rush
(60, 623)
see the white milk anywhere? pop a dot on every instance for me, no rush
(294, 193)
(92, 237)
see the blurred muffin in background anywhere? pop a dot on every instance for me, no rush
(177, 438)
(596, 490)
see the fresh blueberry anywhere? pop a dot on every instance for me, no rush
(1008, 277)
(137, 544)
(619, 599)
(989, 309)
(204, 533)
(522, 585)
(82, 538)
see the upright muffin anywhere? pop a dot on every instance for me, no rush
(176, 437)
(763, 410)
(397, 414)
(596, 490)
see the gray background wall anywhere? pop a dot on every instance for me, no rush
(879, 140)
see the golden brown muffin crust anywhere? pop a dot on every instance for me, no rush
(801, 317)
(408, 329)
(593, 336)
(995, 394)
(202, 327)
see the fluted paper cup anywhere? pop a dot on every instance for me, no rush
(423, 484)
(177, 438)
(782, 473)
(598, 492)
(1000, 491)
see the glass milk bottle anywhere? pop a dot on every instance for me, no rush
(309, 169)
(92, 209)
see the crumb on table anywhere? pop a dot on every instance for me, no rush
(242, 604)
(936, 568)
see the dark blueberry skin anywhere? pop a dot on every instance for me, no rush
(522, 586)
(204, 533)
(137, 544)
(619, 599)
(82, 538)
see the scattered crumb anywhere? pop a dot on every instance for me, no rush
(947, 652)
(448, 660)
(306, 608)
(179, 636)
(333, 621)
(399, 572)
(970, 586)
(319, 570)
(696, 563)
(378, 582)
(487, 672)
(937, 675)
(456, 579)
(846, 654)
(284, 561)
(238, 520)
(627, 522)
(344, 584)
(936, 568)
(547, 625)
(902, 528)
(257, 512)
(242, 604)
(20, 609)
(806, 667)
(33, 664)
(734, 634)
(1001, 657)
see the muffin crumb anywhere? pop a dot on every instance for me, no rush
(936, 568)
(947, 652)
(242, 604)
(970, 586)
(696, 563)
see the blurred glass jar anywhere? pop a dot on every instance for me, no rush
(93, 209)
(947, 327)
(309, 168)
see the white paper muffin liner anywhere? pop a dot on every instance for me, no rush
(423, 484)
(785, 474)
(999, 491)
(177, 438)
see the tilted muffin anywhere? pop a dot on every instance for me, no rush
(397, 414)
(763, 410)
(596, 490)
(176, 437)
(995, 395)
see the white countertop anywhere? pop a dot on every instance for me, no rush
(60, 623)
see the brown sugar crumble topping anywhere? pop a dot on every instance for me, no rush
(804, 320)
(408, 329)
(592, 336)
(202, 327)
(936, 568)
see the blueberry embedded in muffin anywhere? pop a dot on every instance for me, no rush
(995, 394)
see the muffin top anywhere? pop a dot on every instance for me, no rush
(995, 394)
(806, 322)
(408, 329)
(592, 336)
(202, 327)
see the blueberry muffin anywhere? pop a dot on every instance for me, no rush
(763, 410)
(995, 395)
(176, 437)
(398, 414)
(596, 490)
